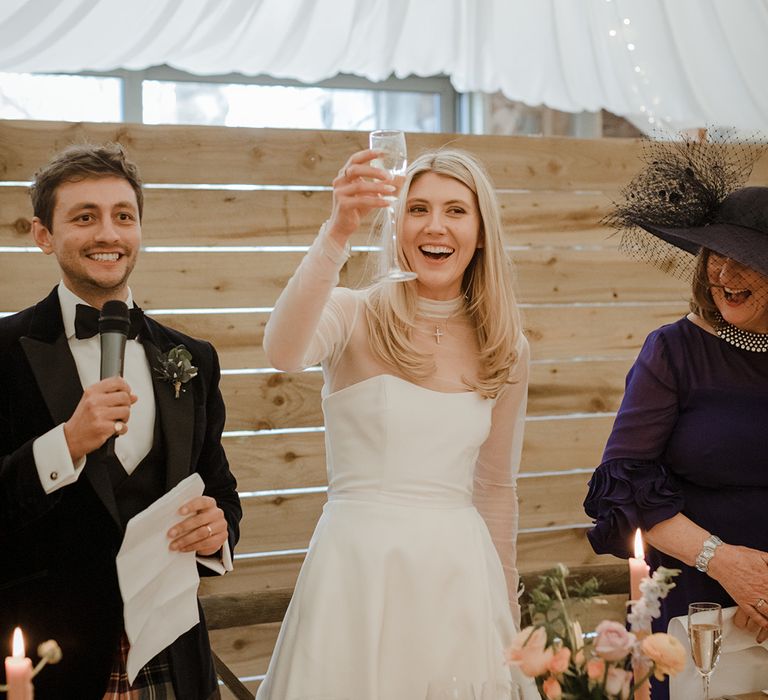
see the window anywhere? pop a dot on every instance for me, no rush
(60, 97)
(166, 96)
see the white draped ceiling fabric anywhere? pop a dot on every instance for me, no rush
(687, 63)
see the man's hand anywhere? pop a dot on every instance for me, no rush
(103, 411)
(203, 531)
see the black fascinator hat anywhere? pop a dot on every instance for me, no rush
(689, 196)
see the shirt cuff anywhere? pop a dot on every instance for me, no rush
(53, 461)
(220, 563)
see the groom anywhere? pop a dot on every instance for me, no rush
(64, 498)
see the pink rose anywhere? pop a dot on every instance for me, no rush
(529, 651)
(552, 689)
(613, 642)
(617, 682)
(666, 652)
(559, 661)
(595, 669)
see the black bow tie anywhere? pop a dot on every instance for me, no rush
(87, 321)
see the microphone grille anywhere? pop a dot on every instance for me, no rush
(114, 317)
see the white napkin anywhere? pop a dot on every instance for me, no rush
(159, 586)
(742, 668)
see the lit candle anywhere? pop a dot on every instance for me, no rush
(18, 670)
(638, 569)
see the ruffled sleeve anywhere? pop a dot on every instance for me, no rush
(632, 488)
(626, 494)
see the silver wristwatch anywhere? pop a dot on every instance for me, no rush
(707, 552)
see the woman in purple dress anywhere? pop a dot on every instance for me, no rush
(686, 461)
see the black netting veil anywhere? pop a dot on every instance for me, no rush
(681, 186)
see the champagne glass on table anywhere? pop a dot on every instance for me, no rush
(394, 161)
(705, 629)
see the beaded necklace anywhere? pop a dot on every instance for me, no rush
(746, 340)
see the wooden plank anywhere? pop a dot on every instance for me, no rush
(211, 154)
(217, 217)
(246, 650)
(259, 574)
(292, 400)
(230, 280)
(297, 460)
(287, 521)
(293, 156)
(567, 332)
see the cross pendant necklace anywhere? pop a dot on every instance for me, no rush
(438, 334)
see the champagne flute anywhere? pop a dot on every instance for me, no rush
(450, 689)
(394, 161)
(705, 629)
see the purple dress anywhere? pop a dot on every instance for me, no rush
(691, 437)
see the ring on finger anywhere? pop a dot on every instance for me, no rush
(119, 426)
(210, 532)
(759, 604)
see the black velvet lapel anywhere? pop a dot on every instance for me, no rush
(177, 415)
(55, 372)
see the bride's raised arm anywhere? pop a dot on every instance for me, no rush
(291, 337)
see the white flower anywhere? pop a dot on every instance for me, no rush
(652, 591)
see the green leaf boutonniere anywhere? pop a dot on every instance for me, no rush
(176, 367)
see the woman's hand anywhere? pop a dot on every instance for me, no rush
(743, 572)
(357, 189)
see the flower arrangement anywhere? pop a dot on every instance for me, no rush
(553, 651)
(175, 366)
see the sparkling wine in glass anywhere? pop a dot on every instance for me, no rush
(393, 160)
(705, 629)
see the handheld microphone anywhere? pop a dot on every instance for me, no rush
(114, 324)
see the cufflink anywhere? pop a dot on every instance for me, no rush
(53, 476)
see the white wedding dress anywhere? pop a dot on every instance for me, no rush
(402, 583)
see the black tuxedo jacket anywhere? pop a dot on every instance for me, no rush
(57, 552)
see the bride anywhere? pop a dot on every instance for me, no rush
(410, 575)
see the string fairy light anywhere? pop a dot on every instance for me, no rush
(622, 30)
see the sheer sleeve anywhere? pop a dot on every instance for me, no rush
(309, 322)
(632, 488)
(495, 483)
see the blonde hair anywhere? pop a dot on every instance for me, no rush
(487, 286)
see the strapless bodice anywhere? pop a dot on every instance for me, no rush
(388, 439)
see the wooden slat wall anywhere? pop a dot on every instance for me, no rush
(587, 310)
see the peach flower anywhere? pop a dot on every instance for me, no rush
(666, 652)
(595, 669)
(552, 689)
(529, 651)
(613, 642)
(559, 661)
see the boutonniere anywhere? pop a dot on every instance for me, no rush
(176, 367)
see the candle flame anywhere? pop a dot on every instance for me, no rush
(639, 551)
(18, 644)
